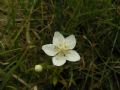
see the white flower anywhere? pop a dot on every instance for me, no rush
(38, 68)
(62, 49)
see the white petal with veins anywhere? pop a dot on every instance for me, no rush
(49, 49)
(58, 38)
(72, 55)
(59, 60)
(71, 41)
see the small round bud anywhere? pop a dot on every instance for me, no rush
(38, 68)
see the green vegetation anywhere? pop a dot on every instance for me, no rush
(26, 25)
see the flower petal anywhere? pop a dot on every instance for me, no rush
(49, 49)
(58, 38)
(72, 55)
(71, 41)
(59, 60)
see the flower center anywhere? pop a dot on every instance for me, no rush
(61, 48)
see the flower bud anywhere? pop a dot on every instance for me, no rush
(38, 68)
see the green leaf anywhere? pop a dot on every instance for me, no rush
(55, 80)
